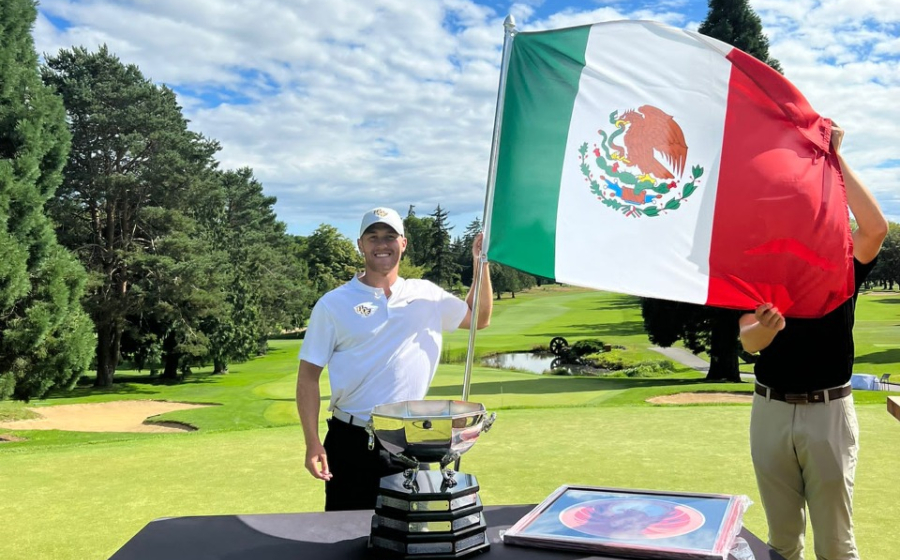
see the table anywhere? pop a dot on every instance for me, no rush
(893, 405)
(319, 536)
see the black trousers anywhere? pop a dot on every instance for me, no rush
(356, 471)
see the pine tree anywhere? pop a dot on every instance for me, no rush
(134, 172)
(735, 22)
(267, 289)
(418, 236)
(443, 268)
(46, 338)
(463, 251)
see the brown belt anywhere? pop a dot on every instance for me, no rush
(804, 398)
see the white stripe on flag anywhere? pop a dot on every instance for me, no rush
(663, 256)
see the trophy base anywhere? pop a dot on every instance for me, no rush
(431, 523)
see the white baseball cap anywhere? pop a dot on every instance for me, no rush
(385, 216)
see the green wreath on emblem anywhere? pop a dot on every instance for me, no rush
(626, 180)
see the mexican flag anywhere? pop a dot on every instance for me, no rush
(642, 159)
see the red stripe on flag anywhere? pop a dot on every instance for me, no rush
(781, 222)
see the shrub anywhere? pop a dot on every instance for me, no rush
(647, 368)
(589, 346)
(613, 360)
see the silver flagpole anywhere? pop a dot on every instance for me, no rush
(509, 25)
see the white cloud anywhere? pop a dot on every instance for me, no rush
(342, 105)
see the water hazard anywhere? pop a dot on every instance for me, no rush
(533, 362)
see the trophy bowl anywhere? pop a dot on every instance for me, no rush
(434, 431)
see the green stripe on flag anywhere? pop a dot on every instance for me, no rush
(541, 85)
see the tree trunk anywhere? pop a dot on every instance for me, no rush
(170, 358)
(108, 340)
(723, 352)
(220, 366)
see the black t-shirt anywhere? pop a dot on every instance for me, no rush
(812, 354)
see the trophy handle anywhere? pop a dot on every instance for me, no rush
(448, 474)
(488, 421)
(370, 429)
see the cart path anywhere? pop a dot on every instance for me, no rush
(688, 358)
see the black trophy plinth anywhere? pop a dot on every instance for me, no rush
(431, 520)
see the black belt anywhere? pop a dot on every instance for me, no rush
(804, 398)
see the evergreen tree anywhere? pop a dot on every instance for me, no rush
(46, 337)
(443, 270)
(734, 22)
(182, 287)
(418, 239)
(267, 286)
(508, 279)
(133, 171)
(463, 251)
(332, 258)
(703, 329)
(887, 270)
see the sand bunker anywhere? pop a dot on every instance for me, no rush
(702, 398)
(117, 416)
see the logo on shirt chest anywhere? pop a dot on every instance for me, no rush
(364, 309)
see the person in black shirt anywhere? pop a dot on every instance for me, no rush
(803, 429)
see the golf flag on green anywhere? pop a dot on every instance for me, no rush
(642, 159)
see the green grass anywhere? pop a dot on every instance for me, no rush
(12, 411)
(877, 335)
(70, 495)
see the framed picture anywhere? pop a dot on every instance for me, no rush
(633, 523)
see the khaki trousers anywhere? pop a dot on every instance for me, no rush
(805, 455)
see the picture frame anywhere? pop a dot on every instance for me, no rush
(626, 523)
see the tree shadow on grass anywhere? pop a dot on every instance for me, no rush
(891, 356)
(129, 385)
(127, 388)
(624, 328)
(558, 384)
(618, 303)
(893, 300)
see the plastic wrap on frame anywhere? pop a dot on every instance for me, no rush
(629, 523)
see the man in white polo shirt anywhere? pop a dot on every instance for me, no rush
(380, 336)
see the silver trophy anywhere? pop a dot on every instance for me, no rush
(421, 512)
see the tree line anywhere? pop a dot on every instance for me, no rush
(122, 239)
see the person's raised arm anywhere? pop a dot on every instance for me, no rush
(308, 404)
(486, 292)
(872, 226)
(758, 329)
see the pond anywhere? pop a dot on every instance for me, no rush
(533, 362)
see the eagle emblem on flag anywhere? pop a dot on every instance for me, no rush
(638, 168)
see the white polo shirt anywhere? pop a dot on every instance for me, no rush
(380, 350)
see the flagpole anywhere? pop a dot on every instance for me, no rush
(509, 26)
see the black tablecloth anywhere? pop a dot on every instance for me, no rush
(319, 536)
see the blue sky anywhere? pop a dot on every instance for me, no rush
(344, 105)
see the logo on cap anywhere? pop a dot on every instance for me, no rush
(380, 212)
